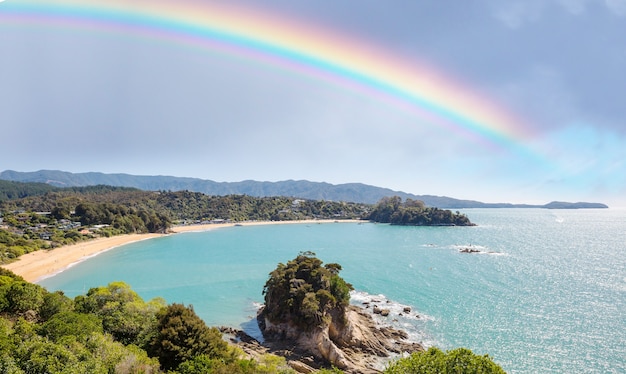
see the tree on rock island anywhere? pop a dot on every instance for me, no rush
(305, 293)
(414, 213)
(307, 307)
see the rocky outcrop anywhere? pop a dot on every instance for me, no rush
(307, 314)
(356, 344)
(469, 250)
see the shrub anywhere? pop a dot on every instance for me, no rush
(456, 361)
(181, 335)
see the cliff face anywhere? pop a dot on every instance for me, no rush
(352, 342)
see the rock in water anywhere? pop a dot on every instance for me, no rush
(307, 313)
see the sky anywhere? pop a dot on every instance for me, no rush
(81, 94)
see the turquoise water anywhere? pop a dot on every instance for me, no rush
(549, 298)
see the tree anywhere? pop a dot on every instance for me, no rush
(60, 212)
(44, 356)
(182, 335)
(456, 361)
(24, 296)
(74, 324)
(414, 212)
(118, 358)
(124, 313)
(304, 292)
(53, 303)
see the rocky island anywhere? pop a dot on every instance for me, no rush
(414, 213)
(307, 318)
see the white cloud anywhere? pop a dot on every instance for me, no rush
(515, 14)
(542, 96)
(618, 7)
(574, 6)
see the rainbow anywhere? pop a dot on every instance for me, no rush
(218, 26)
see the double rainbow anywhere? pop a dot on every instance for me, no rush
(280, 41)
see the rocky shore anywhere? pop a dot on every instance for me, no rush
(357, 345)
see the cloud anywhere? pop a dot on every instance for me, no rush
(542, 96)
(577, 7)
(124, 105)
(618, 7)
(574, 6)
(515, 14)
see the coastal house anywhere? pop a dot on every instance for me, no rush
(66, 224)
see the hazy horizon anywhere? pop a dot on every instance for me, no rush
(310, 181)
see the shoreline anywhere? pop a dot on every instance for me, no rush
(42, 264)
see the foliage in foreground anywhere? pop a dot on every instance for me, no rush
(435, 361)
(111, 329)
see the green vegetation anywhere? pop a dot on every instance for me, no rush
(181, 206)
(28, 231)
(460, 360)
(17, 190)
(413, 212)
(111, 330)
(305, 293)
(66, 216)
(33, 217)
(181, 335)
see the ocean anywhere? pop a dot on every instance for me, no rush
(546, 293)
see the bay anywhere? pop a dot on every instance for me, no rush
(547, 293)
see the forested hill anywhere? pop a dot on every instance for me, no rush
(180, 205)
(352, 192)
(17, 190)
(70, 215)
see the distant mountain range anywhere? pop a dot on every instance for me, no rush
(349, 192)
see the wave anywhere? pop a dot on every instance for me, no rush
(412, 322)
(401, 316)
(467, 248)
(476, 249)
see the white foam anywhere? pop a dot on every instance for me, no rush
(481, 250)
(412, 322)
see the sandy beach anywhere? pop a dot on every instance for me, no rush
(40, 264)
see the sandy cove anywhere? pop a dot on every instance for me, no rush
(45, 263)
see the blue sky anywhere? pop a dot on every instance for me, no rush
(90, 100)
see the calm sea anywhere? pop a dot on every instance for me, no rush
(547, 293)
